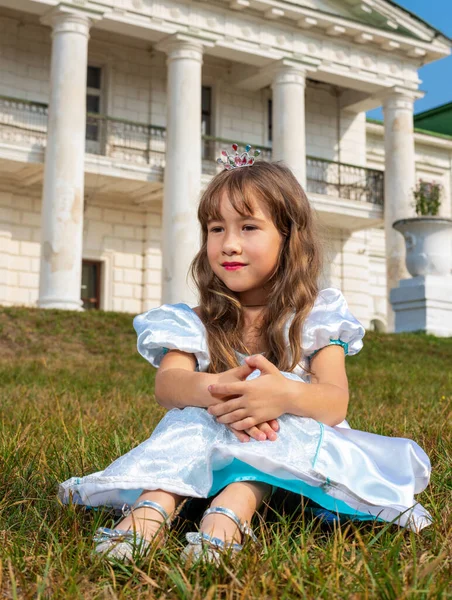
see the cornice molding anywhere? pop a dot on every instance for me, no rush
(72, 17)
(291, 20)
(421, 138)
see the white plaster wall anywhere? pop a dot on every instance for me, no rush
(347, 268)
(328, 137)
(25, 48)
(20, 250)
(118, 236)
(152, 261)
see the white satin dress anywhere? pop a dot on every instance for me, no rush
(353, 473)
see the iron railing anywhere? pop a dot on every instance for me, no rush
(127, 141)
(25, 123)
(342, 180)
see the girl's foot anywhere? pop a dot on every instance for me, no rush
(145, 522)
(207, 547)
(143, 526)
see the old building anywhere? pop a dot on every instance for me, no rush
(112, 113)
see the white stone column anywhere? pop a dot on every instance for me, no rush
(182, 182)
(399, 183)
(289, 131)
(62, 206)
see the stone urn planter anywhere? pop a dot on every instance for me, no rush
(428, 242)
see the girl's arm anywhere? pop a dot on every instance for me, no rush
(178, 385)
(326, 398)
(271, 395)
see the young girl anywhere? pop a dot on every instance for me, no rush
(255, 384)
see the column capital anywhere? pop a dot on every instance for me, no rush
(288, 74)
(402, 98)
(181, 45)
(68, 18)
(290, 71)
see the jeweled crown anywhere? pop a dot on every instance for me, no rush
(237, 159)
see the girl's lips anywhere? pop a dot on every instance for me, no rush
(232, 266)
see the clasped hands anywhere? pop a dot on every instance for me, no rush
(250, 408)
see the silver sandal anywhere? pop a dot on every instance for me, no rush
(125, 546)
(204, 547)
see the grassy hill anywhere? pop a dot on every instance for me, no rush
(75, 394)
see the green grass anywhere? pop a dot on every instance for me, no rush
(75, 395)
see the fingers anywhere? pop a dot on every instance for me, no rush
(243, 424)
(274, 424)
(232, 417)
(257, 361)
(243, 371)
(222, 408)
(227, 389)
(256, 434)
(242, 436)
(266, 430)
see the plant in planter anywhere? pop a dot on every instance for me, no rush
(428, 237)
(427, 198)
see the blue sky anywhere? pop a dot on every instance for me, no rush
(437, 76)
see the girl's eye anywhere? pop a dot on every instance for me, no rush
(215, 229)
(249, 227)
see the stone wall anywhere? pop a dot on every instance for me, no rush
(124, 238)
(20, 248)
(25, 48)
(347, 268)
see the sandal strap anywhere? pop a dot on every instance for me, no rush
(128, 510)
(117, 535)
(200, 537)
(244, 527)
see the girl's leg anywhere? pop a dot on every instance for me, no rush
(242, 497)
(147, 522)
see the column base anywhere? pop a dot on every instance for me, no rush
(423, 303)
(61, 304)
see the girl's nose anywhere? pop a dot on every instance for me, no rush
(231, 245)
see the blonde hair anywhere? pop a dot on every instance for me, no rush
(293, 286)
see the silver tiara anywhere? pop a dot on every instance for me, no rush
(237, 160)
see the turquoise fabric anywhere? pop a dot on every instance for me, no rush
(240, 471)
(333, 343)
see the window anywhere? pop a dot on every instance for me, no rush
(206, 122)
(93, 103)
(90, 294)
(206, 103)
(270, 120)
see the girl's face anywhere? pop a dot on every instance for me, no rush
(243, 250)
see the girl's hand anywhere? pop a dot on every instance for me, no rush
(262, 432)
(250, 403)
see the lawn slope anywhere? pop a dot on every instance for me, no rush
(75, 394)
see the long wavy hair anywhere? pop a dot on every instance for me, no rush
(292, 287)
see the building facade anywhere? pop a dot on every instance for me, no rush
(113, 112)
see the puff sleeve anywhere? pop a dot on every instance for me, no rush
(171, 327)
(331, 322)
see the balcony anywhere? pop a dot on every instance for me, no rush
(24, 124)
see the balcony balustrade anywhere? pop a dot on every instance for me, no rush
(24, 123)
